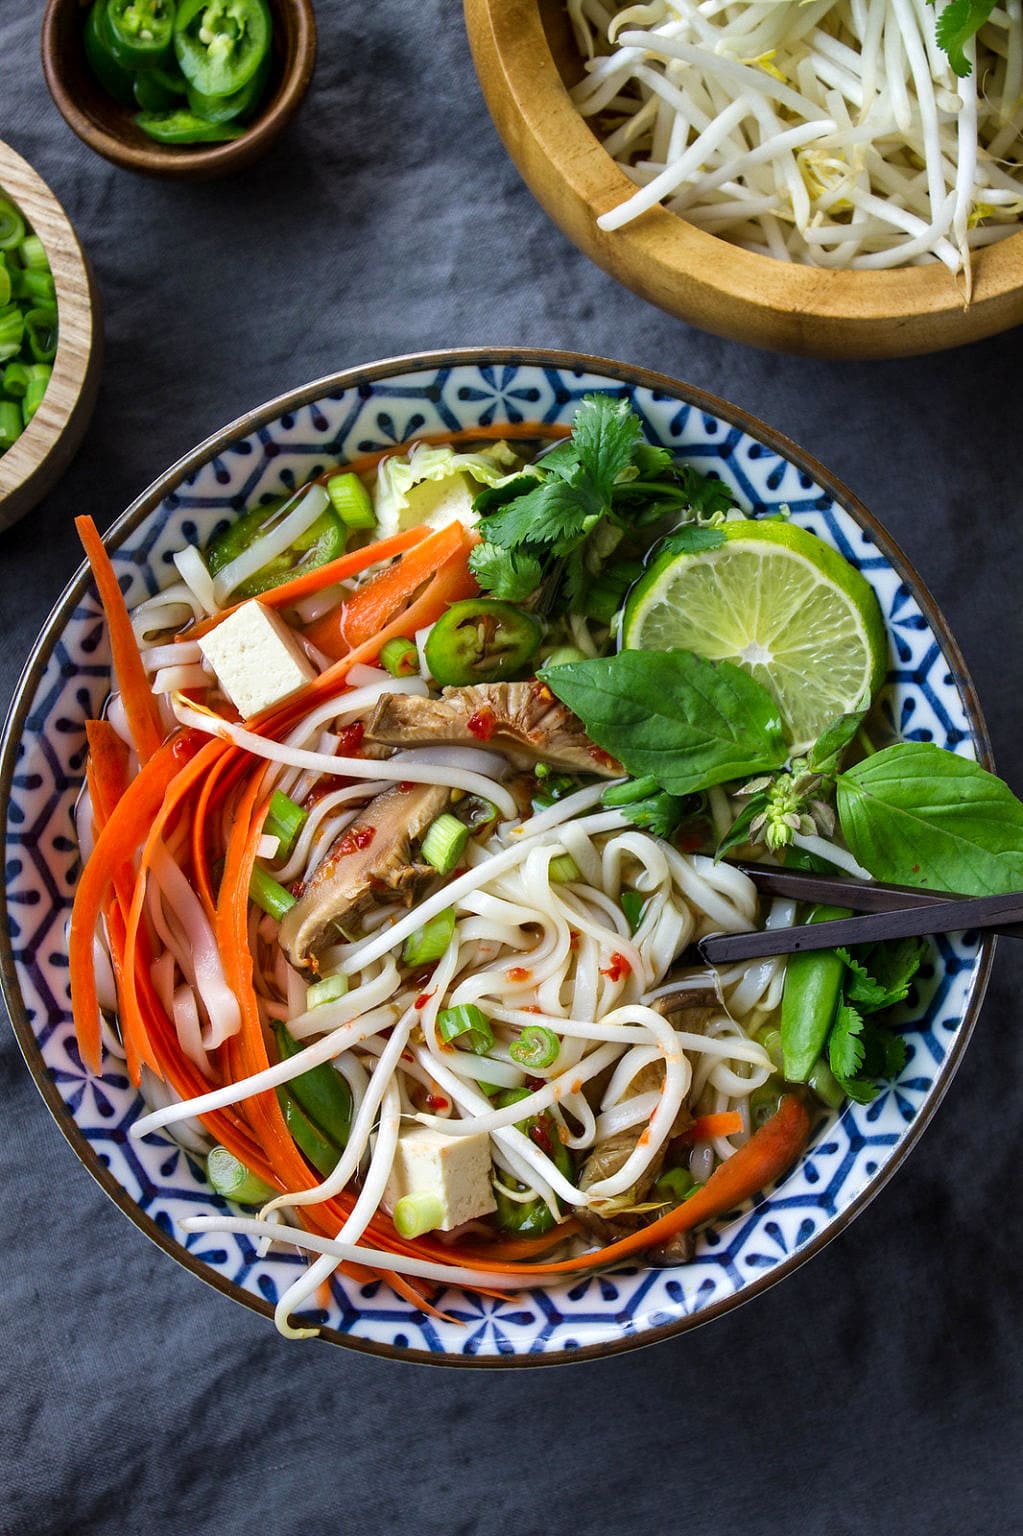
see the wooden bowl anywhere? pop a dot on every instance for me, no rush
(526, 60)
(110, 129)
(49, 442)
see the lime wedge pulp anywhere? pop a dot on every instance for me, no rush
(778, 602)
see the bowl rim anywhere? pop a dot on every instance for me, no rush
(261, 416)
(521, 80)
(155, 159)
(71, 392)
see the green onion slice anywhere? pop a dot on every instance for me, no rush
(429, 942)
(563, 870)
(400, 657)
(418, 1213)
(633, 903)
(468, 1025)
(267, 894)
(351, 501)
(329, 990)
(284, 821)
(444, 843)
(234, 1181)
(537, 1046)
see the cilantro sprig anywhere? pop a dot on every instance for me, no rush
(569, 536)
(957, 23)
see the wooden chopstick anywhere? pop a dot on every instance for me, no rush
(860, 895)
(946, 916)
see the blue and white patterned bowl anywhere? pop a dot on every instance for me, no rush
(928, 696)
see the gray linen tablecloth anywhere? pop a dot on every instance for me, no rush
(876, 1390)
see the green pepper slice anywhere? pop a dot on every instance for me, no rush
(532, 1218)
(225, 109)
(157, 90)
(322, 1094)
(141, 31)
(115, 77)
(481, 640)
(324, 540)
(220, 44)
(181, 127)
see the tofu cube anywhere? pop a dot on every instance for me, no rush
(257, 658)
(454, 1168)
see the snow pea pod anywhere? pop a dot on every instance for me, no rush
(321, 1094)
(532, 1218)
(309, 1140)
(813, 990)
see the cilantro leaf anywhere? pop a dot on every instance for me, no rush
(857, 1089)
(651, 461)
(606, 433)
(511, 576)
(661, 814)
(703, 495)
(860, 986)
(494, 496)
(554, 511)
(960, 21)
(691, 539)
(845, 1048)
(894, 963)
(896, 1053)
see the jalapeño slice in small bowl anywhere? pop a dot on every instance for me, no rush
(141, 32)
(220, 44)
(481, 640)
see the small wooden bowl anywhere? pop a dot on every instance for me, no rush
(526, 60)
(110, 129)
(49, 442)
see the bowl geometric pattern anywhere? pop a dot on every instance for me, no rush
(927, 697)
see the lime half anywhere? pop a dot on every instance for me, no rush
(776, 601)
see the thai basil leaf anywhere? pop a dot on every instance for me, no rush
(829, 746)
(738, 832)
(674, 715)
(917, 815)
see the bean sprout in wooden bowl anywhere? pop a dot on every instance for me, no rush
(526, 62)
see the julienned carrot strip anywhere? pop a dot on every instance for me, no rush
(765, 1157)
(107, 768)
(452, 582)
(374, 605)
(135, 948)
(123, 834)
(705, 1127)
(308, 582)
(140, 706)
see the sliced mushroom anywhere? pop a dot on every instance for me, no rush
(524, 721)
(371, 855)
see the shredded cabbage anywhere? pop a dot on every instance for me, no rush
(436, 485)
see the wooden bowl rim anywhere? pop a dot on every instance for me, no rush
(71, 366)
(546, 110)
(154, 159)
